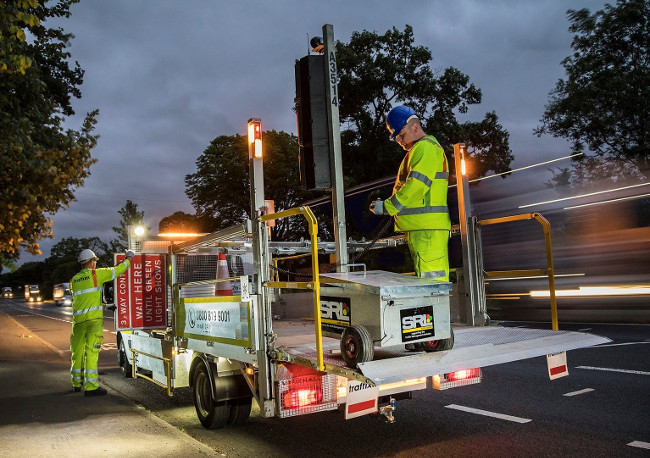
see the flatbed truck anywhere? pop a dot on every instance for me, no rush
(199, 313)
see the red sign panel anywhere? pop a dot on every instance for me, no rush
(140, 293)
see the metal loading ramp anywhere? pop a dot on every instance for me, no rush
(479, 347)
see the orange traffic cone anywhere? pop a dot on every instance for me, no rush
(223, 288)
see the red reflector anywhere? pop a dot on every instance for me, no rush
(558, 370)
(359, 406)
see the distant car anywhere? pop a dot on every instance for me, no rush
(7, 292)
(61, 294)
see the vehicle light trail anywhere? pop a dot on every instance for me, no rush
(585, 195)
(587, 291)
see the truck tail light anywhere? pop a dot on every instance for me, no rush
(455, 379)
(298, 398)
(306, 394)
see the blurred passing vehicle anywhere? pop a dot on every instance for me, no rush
(61, 294)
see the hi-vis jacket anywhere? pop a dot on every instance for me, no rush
(419, 199)
(86, 289)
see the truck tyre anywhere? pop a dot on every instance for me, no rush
(356, 345)
(439, 345)
(212, 414)
(125, 366)
(240, 410)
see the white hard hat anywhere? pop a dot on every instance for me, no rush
(87, 255)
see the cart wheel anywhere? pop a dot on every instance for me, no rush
(212, 414)
(356, 345)
(125, 366)
(439, 345)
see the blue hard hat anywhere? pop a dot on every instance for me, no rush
(397, 118)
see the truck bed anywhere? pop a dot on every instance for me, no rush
(474, 347)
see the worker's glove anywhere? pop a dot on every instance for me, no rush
(377, 207)
(129, 255)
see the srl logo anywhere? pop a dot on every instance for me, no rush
(417, 323)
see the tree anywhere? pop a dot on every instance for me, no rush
(604, 102)
(181, 222)
(378, 72)
(219, 189)
(42, 162)
(130, 217)
(63, 262)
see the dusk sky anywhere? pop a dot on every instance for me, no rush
(168, 77)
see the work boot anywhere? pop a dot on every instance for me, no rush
(76, 389)
(98, 392)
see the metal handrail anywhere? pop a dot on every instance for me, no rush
(167, 361)
(314, 285)
(286, 258)
(549, 258)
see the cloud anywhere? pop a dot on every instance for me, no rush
(168, 77)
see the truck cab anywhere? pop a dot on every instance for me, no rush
(33, 293)
(7, 292)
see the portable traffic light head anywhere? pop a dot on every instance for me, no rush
(463, 167)
(255, 138)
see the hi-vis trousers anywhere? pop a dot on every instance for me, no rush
(430, 253)
(85, 342)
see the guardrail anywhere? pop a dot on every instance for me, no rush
(314, 284)
(522, 273)
(167, 361)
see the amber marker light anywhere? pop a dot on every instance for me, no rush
(255, 137)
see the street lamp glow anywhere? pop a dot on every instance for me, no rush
(139, 231)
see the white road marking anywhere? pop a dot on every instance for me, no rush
(39, 314)
(608, 369)
(640, 444)
(30, 334)
(575, 393)
(487, 413)
(584, 329)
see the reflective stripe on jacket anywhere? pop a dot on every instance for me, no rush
(419, 199)
(86, 287)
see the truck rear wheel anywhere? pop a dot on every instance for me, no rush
(240, 410)
(439, 345)
(125, 366)
(356, 346)
(212, 414)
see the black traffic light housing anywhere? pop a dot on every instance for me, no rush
(313, 122)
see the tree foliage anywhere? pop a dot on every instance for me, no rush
(63, 261)
(603, 104)
(181, 222)
(43, 163)
(219, 189)
(378, 72)
(60, 266)
(130, 217)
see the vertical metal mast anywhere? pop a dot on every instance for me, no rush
(261, 259)
(474, 310)
(336, 163)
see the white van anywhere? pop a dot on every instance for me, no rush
(62, 294)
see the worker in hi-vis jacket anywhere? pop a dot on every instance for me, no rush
(88, 319)
(419, 200)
